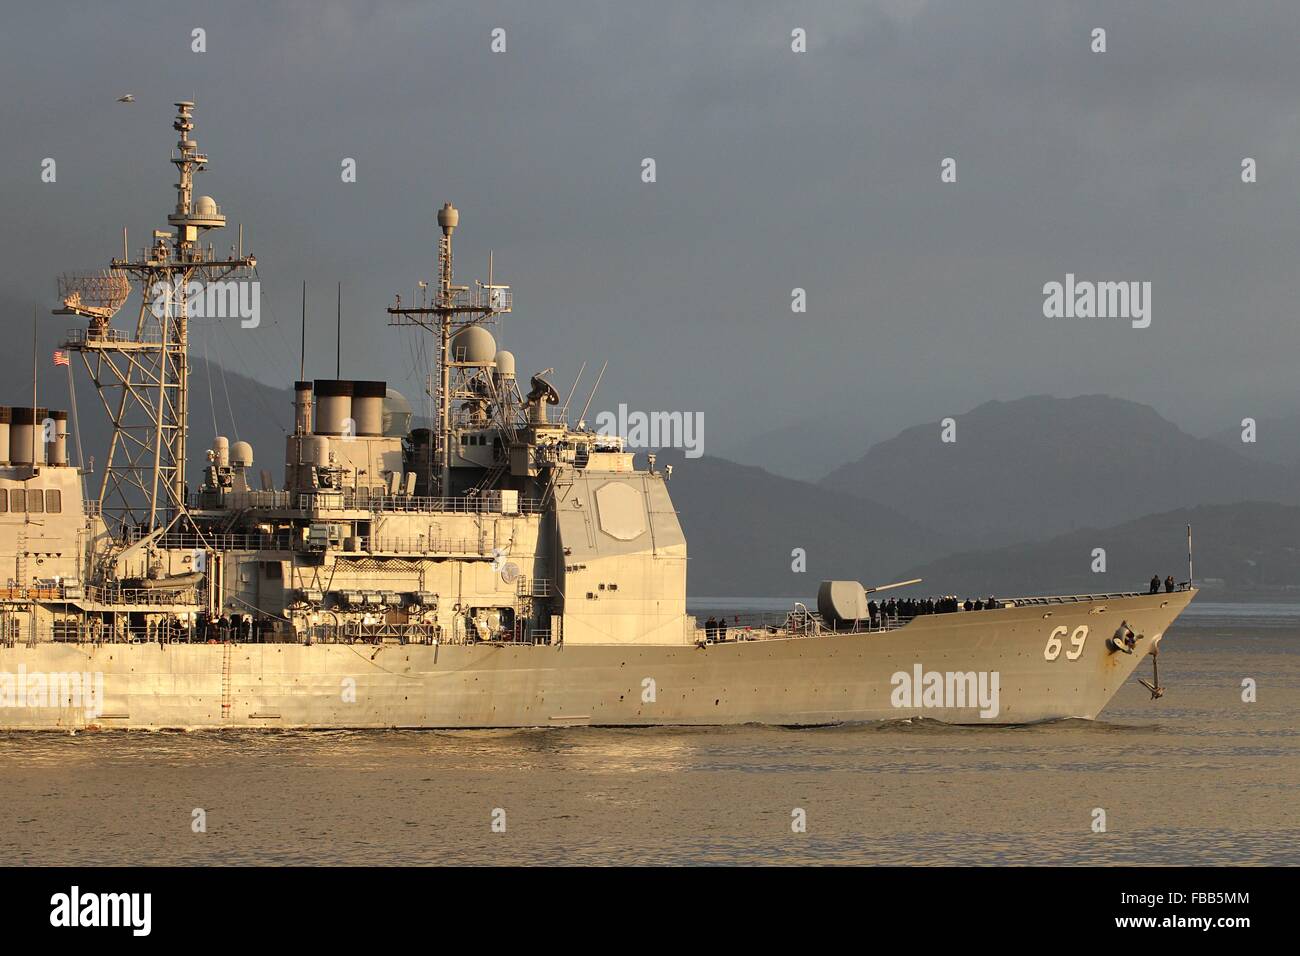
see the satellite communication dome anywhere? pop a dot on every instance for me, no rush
(241, 454)
(205, 206)
(397, 414)
(473, 345)
(505, 363)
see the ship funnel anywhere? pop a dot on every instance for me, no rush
(302, 407)
(25, 448)
(333, 407)
(56, 445)
(368, 407)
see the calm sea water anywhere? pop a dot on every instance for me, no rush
(1196, 777)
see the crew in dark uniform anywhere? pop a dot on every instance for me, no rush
(1155, 584)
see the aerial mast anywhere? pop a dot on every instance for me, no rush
(454, 307)
(448, 220)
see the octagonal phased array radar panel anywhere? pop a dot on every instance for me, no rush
(620, 510)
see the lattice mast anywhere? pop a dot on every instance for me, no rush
(142, 375)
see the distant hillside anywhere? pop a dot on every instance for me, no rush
(1247, 546)
(806, 450)
(742, 523)
(1032, 468)
(1277, 440)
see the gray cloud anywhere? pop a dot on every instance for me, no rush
(775, 170)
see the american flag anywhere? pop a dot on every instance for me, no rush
(60, 358)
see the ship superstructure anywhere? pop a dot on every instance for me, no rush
(502, 567)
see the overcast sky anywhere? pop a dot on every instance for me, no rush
(775, 170)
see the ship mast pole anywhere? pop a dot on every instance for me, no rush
(302, 347)
(35, 333)
(450, 302)
(444, 406)
(448, 219)
(188, 250)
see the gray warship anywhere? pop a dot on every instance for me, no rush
(501, 568)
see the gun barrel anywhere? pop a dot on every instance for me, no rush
(896, 584)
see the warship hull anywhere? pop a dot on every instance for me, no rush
(1014, 665)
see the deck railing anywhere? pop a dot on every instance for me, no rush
(421, 545)
(307, 502)
(804, 623)
(192, 540)
(1081, 598)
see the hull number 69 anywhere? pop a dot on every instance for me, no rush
(1054, 643)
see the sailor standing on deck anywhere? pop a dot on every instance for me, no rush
(1155, 584)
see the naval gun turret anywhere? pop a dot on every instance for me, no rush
(845, 602)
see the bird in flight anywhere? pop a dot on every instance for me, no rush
(128, 98)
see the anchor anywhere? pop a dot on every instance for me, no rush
(1153, 685)
(1123, 640)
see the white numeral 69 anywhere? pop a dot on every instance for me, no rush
(1053, 649)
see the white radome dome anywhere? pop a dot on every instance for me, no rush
(473, 345)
